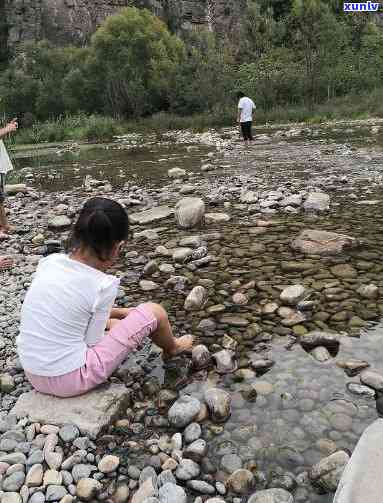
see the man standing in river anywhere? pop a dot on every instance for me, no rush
(5, 167)
(245, 116)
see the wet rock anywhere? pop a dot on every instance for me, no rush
(231, 463)
(108, 464)
(318, 338)
(152, 215)
(318, 242)
(249, 197)
(191, 242)
(201, 357)
(293, 294)
(263, 388)
(317, 201)
(352, 367)
(176, 173)
(271, 496)
(217, 218)
(225, 361)
(321, 354)
(373, 379)
(234, 321)
(200, 486)
(241, 481)
(148, 286)
(59, 222)
(171, 493)
(187, 470)
(360, 390)
(196, 450)
(146, 490)
(192, 432)
(180, 255)
(184, 411)
(219, 404)
(327, 473)
(196, 299)
(7, 383)
(369, 291)
(344, 271)
(69, 432)
(189, 212)
(240, 299)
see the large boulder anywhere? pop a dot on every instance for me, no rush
(317, 201)
(327, 473)
(362, 480)
(316, 242)
(190, 212)
(90, 412)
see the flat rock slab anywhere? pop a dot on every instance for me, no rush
(90, 412)
(152, 215)
(317, 242)
(362, 480)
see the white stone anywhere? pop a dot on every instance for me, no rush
(176, 173)
(327, 473)
(108, 464)
(272, 496)
(318, 242)
(104, 403)
(189, 212)
(196, 299)
(216, 218)
(293, 294)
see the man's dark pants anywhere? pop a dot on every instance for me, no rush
(246, 130)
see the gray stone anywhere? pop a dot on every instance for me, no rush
(360, 390)
(87, 489)
(109, 464)
(318, 338)
(196, 299)
(81, 471)
(217, 218)
(69, 432)
(321, 354)
(317, 201)
(231, 463)
(317, 242)
(373, 379)
(241, 481)
(14, 458)
(34, 476)
(225, 361)
(189, 212)
(37, 497)
(219, 404)
(148, 473)
(171, 493)
(201, 357)
(361, 481)
(166, 477)
(146, 490)
(14, 482)
(11, 498)
(152, 215)
(55, 493)
(327, 473)
(369, 291)
(105, 403)
(271, 496)
(196, 450)
(184, 411)
(187, 470)
(176, 173)
(59, 222)
(293, 294)
(200, 486)
(192, 432)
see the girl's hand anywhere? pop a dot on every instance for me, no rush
(12, 126)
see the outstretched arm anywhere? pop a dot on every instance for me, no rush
(239, 115)
(9, 128)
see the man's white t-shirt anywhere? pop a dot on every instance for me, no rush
(65, 311)
(247, 106)
(5, 162)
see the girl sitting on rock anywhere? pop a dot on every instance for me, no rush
(62, 342)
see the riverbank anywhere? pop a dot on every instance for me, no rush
(101, 129)
(289, 319)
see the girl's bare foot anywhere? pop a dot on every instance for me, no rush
(182, 345)
(5, 263)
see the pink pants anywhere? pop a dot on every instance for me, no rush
(101, 359)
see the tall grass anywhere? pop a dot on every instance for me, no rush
(95, 128)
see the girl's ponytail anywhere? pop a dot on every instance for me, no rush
(101, 224)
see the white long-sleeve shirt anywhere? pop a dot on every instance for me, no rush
(64, 312)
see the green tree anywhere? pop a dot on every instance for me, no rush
(139, 59)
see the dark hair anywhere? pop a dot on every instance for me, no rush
(240, 94)
(101, 224)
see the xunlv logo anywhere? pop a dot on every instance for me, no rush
(361, 7)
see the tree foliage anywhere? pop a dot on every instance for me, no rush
(288, 52)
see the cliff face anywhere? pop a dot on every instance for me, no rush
(73, 21)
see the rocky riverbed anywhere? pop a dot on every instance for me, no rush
(272, 258)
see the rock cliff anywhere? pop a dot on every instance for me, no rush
(73, 21)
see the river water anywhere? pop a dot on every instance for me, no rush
(303, 410)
